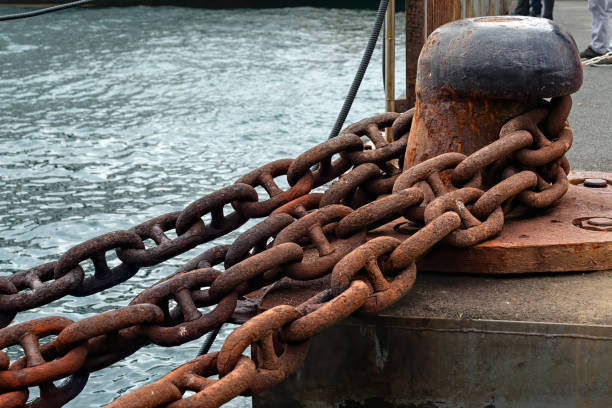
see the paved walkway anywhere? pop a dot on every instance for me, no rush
(591, 117)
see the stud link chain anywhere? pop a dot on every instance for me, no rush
(304, 236)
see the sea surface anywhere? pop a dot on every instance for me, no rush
(109, 117)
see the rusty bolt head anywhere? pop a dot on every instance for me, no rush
(594, 223)
(595, 183)
(600, 222)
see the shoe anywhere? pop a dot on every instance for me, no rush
(606, 62)
(589, 53)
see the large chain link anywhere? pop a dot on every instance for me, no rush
(455, 198)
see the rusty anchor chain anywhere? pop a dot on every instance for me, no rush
(305, 236)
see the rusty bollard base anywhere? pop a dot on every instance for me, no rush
(573, 235)
(475, 74)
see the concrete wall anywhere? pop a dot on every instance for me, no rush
(389, 362)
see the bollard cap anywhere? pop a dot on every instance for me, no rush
(505, 57)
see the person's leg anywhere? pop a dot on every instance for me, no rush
(609, 12)
(522, 8)
(548, 9)
(600, 35)
(536, 8)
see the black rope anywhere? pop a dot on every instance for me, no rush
(209, 340)
(384, 59)
(365, 61)
(45, 10)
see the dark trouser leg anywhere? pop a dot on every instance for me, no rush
(522, 8)
(548, 9)
(536, 7)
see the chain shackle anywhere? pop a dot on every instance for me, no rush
(322, 154)
(213, 203)
(322, 258)
(37, 370)
(165, 247)
(187, 322)
(346, 189)
(476, 231)
(264, 176)
(43, 288)
(299, 207)
(379, 212)
(192, 376)
(367, 259)
(254, 266)
(256, 238)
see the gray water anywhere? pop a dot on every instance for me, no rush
(112, 116)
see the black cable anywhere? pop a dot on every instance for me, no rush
(209, 340)
(45, 10)
(384, 58)
(365, 61)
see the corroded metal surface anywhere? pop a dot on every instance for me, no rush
(471, 80)
(424, 16)
(550, 242)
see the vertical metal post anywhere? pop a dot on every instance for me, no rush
(415, 38)
(390, 60)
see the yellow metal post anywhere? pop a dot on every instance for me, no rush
(390, 61)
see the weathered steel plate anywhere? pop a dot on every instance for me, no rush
(573, 235)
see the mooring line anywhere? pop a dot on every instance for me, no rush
(44, 10)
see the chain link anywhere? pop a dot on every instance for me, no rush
(456, 198)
